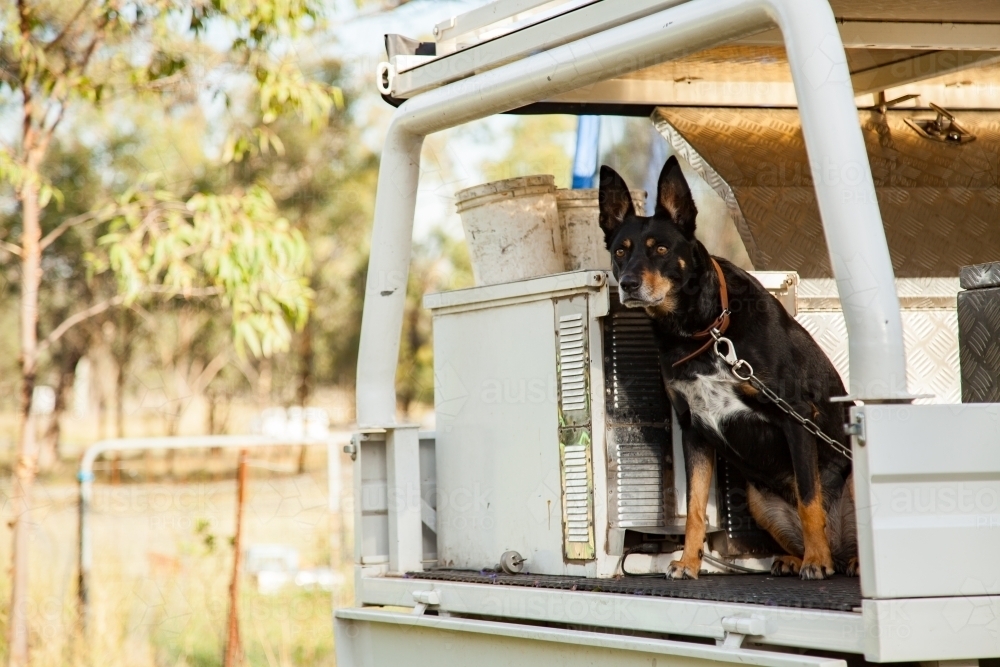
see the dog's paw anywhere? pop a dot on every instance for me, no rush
(853, 568)
(816, 570)
(784, 566)
(678, 569)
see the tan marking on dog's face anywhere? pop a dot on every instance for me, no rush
(627, 243)
(650, 242)
(659, 291)
(681, 263)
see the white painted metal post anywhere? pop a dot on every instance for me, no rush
(388, 268)
(844, 187)
(402, 457)
(845, 193)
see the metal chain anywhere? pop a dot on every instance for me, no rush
(736, 365)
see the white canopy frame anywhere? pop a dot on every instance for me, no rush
(841, 173)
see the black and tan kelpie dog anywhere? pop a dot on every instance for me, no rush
(799, 488)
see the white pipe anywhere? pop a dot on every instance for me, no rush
(844, 188)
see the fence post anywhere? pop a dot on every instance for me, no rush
(234, 651)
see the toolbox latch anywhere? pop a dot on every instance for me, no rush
(738, 627)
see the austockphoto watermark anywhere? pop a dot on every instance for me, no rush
(379, 496)
(570, 608)
(976, 504)
(132, 499)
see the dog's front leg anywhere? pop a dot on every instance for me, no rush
(817, 562)
(699, 460)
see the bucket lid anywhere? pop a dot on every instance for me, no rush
(506, 185)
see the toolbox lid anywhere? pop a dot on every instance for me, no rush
(979, 276)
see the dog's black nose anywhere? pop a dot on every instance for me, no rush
(629, 282)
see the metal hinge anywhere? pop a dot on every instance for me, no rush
(856, 429)
(356, 440)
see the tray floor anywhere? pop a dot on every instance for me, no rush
(836, 594)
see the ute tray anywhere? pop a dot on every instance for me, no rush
(836, 594)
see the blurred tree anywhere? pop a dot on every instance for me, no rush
(323, 181)
(439, 263)
(58, 59)
(539, 145)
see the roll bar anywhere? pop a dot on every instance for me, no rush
(841, 173)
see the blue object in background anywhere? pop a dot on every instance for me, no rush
(659, 151)
(588, 137)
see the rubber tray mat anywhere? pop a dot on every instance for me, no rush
(837, 594)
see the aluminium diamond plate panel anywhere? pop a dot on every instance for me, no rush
(980, 275)
(939, 202)
(930, 332)
(979, 344)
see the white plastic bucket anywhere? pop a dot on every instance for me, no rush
(583, 240)
(512, 228)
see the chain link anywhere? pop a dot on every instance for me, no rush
(737, 365)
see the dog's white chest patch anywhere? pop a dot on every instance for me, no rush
(712, 398)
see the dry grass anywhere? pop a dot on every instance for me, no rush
(162, 562)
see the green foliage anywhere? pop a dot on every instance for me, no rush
(538, 146)
(438, 264)
(223, 241)
(233, 246)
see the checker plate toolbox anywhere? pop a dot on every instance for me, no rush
(979, 332)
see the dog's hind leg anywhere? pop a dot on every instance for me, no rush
(842, 530)
(699, 459)
(775, 515)
(817, 561)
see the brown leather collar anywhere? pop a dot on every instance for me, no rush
(720, 324)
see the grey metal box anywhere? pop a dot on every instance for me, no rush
(979, 342)
(979, 276)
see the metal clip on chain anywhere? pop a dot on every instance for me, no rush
(743, 371)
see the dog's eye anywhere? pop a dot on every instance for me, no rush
(620, 252)
(662, 250)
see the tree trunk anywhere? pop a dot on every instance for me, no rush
(234, 647)
(53, 435)
(120, 396)
(120, 377)
(306, 358)
(27, 449)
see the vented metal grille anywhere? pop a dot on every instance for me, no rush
(578, 498)
(741, 536)
(632, 369)
(575, 441)
(572, 383)
(638, 418)
(638, 485)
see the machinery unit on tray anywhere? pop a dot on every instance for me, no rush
(554, 434)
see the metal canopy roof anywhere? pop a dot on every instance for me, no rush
(933, 11)
(944, 51)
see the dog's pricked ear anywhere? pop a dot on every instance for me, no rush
(614, 202)
(673, 197)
